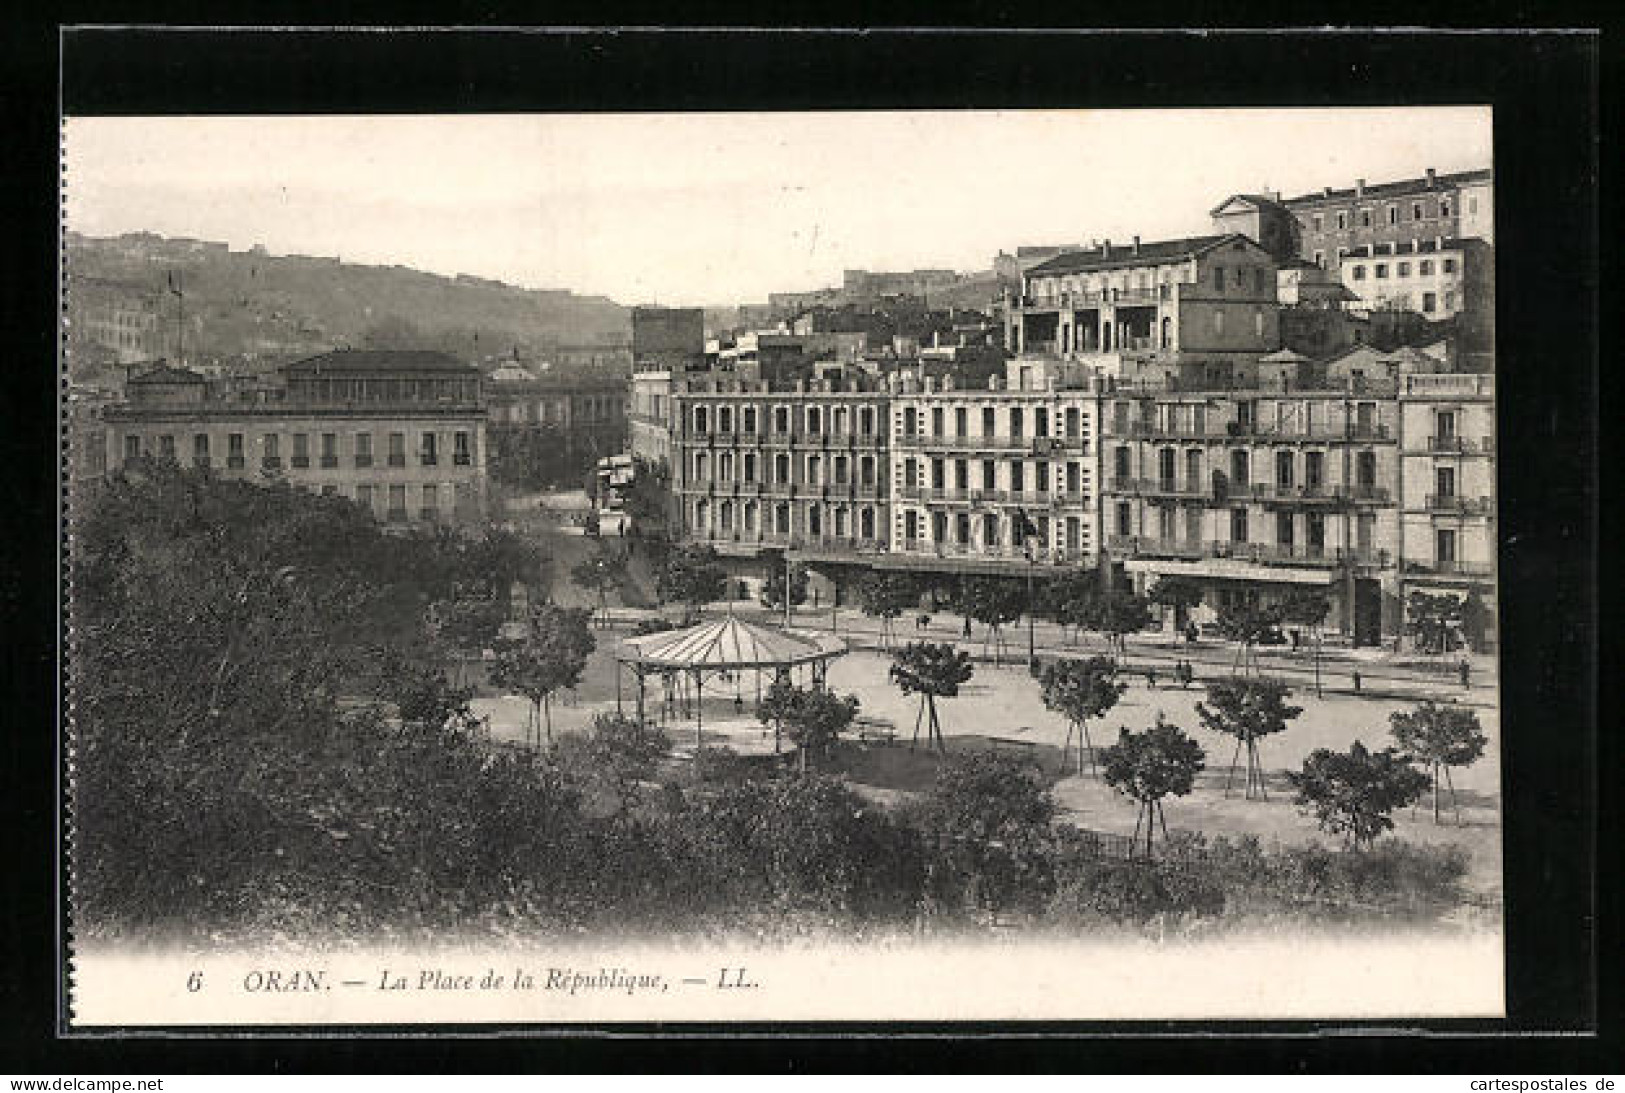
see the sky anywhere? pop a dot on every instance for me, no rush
(686, 209)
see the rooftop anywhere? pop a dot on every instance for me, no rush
(1400, 188)
(166, 374)
(375, 361)
(1112, 257)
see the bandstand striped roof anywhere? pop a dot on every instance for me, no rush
(728, 643)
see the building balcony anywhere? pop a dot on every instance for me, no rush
(1450, 567)
(429, 515)
(1458, 505)
(235, 462)
(397, 460)
(271, 463)
(395, 516)
(201, 461)
(1158, 487)
(329, 462)
(1296, 554)
(428, 459)
(968, 443)
(301, 462)
(1320, 431)
(1461, 445)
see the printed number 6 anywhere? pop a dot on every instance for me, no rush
(194, 982)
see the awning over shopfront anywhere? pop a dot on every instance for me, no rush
(1228, 569)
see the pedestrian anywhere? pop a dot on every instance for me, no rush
(1150, 677)
(1356, 681)
(1466, 673)
(1190, 633)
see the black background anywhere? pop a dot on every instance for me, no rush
(1544, 88)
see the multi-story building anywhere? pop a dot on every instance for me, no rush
(1204, 304)
(649, 416)
(402, 433)
(670, 338)
(803, 466)
(1338, 223)
(117, 320)
(1003, 475)
(1439, 278)
(1253, 493)
(1447, 485)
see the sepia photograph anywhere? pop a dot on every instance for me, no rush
(626, 567)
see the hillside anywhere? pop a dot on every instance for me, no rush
(257, 305)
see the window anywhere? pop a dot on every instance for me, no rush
(1258, 322)
(1016, 424)
(166, 446)
(1382, 271)
(962, 528)
(909, 422)
(1365, 470)
(397, 502)
(363, 449)
(1074, 479)
(936, 421)
(1342, 221)
(1041, 421)
(1365, 218)
(1450, 265)
(781, 469)
(363, 497)
(462, 454)
(781, 518)
(1314, 470)
(1316, 524)
(1318, 221)
(1125, 518)
(1193, 468)
(1449, 301)
(272, 455)
(397, 449)
(1240, 467)
(132, 447)
(1218, 321)
(961, 475)
(938, 472)
(989, 428)
(1430, 302)
(200, 449)
(1041, 476)
(1218, 278)
(1073, 423)
(1283, 469)
(1238, 525)
(988, 474)
(1018, 476)
(749, 417)
(815, 469)
(750, 466)
(1444, 425)
(428, 450)
(1359, 273)
(1283, 528)
(910, 475)
(1393, 214)
(725, 467)
(781, 419)
(990, 530)
(234, 450)
(725, 419)
(700, 420)
(961, 422)
(431, 501)
(1404, 269)
(815, 421)
(868, 470)
(1416, 210)
(1444, 206)
(330, 449)
(1444, 546)
(1121, 463)
(1425, 267)
(1444, 482)
(1320, 259)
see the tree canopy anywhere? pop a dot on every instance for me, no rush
(1081, 690)
(691, 575)
(1249, 710)
(1160, 762)
(549, 658)
(1352, 793)
(1440, 736)
(1433, 621)
(773, 567)
(812, 717)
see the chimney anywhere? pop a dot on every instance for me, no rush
(1136, 244)
(1106, 247)
(1326, 191)
(1359, 187)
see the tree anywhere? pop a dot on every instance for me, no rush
(550, 658)
(691, 576)
(1117, 615)
(1247, 622)
(1352, 793)
(1080, 690)
(993, 601)
(1442, 737)
(600, 571)
(991, 820)
(931, 670)
(774, 567)
(1179, 593)
(1071, 599)
(813, 717)
(1162, 761)
(1433, 621)
(886, 596)
(648, 493)
(1476, 620)
(1307, 607)
(619, 755)
(1247, 709)
(463, 627)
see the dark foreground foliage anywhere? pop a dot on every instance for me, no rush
(229, 778)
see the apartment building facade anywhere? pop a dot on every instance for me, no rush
(1206, 300)
(1447, 478)
(996, 478)
(1254, 494)
(804, 466)
(400, 433)
(1338, 223)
